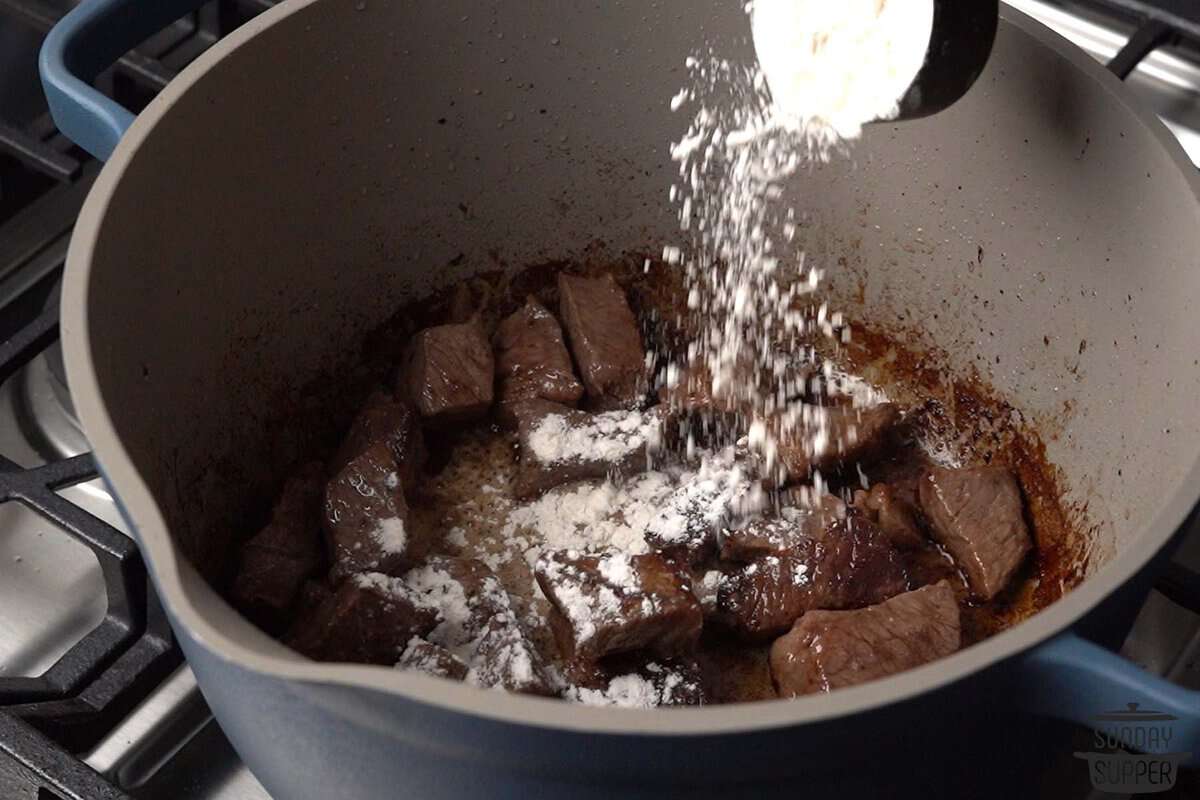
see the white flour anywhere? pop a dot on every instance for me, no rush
(390, 535)
(591, 517)
(606, 437)
(831, 67)
(838, 65)
(664, 687)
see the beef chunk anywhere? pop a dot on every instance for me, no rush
(559, 445)
(636, 681)
(767, 536)
(894, 515)
(690, 390)
(366, 517)
(846, 562)
(605, 341)
(617, 603)
(718, 494)
(976, 514)
(828, 650)
(477, 622)
(369, 620)
(465, 593)
(762, 599)
(425, 656)
(394, 423)
(448, 374)
(852, 435)
(738, 390)
(504, 657)
(532, 362)
(276, 561)
(790, 532)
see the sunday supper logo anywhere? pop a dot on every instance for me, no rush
(1151, 768)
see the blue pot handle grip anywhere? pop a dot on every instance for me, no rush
(1071, 678)
(83, 44)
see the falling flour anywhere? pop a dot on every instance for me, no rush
(824, 69)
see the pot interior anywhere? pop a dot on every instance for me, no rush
(1039, 235)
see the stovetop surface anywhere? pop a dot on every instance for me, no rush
(52, 592)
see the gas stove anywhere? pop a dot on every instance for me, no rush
(95, 700)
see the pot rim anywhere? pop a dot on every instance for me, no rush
(269, 658)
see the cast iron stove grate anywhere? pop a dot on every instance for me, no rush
(47, 719)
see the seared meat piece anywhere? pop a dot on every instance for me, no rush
(768, 536)
(828, 650)
(976, 514)
(504, 657)
(532, 362)
(393, 422)
(559, 444)
(853, 435)
(366, 517)
(425, 656)
(636, 681)
(618, 603)
(369, 620)
(717, 495)
(448, 374)
(478, 623)
(465, 593)
(276, 561)
(604, 340)
(847, 563)
(854, 564)
(740, 390)
(690, 390)
(761, 600)
(312, 594)
(894, 515)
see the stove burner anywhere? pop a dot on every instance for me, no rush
(44, 408)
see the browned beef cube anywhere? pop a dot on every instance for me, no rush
(692, 389)
(847, 563)
(276, 561)
(532, 362)
(477, 621)
(787, 533)
(687, 526)
(762, 599)
(559, 444)
(369, 620)
(605, 341)
(425, 656)
(465, 593)
(504, 657)
(366, 517)
(977, 515)
(828, 650)
(778, 535)
(393, 422)
(852, 435)
(894, 515)
(636, 681)
(854, 563)
(617, 603)
(312, 594)
(448, 374)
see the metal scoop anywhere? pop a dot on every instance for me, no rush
(959, 47)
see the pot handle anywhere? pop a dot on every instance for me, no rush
(83, 44)
(1071, 678)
